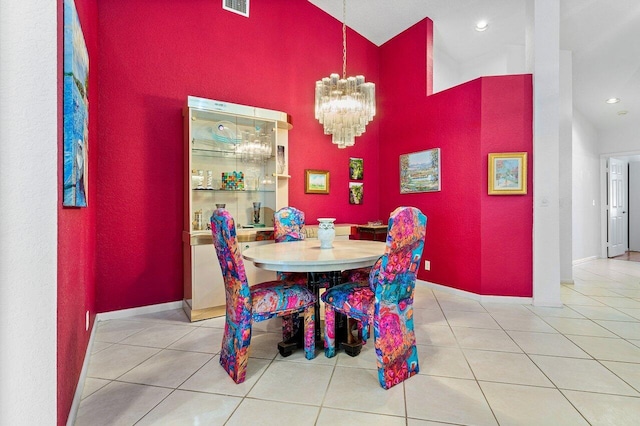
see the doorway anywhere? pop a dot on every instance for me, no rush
(620, 219)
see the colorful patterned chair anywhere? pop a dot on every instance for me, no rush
(387, 301)
(259, 302)
(288, 225)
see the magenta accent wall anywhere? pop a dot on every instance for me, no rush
(77, 232)
(124, 250)
(150, 59)
(475, 242)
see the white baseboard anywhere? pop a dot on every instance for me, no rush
(478, 297)
(125, 313)
(584, 260)
(77, 396)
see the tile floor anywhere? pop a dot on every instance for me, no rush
(481, 364)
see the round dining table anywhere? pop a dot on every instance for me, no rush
(307, 256)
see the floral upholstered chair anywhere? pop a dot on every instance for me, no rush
(259, 302)
(387, 301)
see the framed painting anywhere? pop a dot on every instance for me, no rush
(420, 171)
(316, 182)
(508, 173)
(356, 192)
(356, 168)
(75, 110)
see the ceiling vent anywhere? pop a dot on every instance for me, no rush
(240, 7)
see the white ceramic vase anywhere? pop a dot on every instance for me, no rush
(326, 232)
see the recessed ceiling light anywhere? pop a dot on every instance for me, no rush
(623, 112)
(482, 25)
(613, 100)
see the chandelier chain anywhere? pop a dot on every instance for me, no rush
(344, 39)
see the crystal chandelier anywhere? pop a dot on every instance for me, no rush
(255, 146)
(344, 106)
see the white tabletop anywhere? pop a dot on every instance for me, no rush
(307, 256)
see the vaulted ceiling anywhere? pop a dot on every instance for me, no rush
(602, 35)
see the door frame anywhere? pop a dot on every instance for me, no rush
(604, 218)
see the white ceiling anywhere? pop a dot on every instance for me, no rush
(603, 36)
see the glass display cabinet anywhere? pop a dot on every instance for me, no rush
(235, 157)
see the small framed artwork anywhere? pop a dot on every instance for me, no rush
(316, 181)
(356, 192)
(420, 171)
(508, 173)
(356, 168)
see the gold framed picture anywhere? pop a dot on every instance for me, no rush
(508, 173)
(316, 181)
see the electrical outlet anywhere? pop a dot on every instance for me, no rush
(427, 265)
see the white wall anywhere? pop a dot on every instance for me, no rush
(566, 166)
(28, 222)
(445, 69)
(586, 189)
(634, 206)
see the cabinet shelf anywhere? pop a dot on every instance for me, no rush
(233, 190)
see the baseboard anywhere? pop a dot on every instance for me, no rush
(77, 396)
(479, 297)
(125, 313)
(584, 260)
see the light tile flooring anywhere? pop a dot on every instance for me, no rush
(481, 364)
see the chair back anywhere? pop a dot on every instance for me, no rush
(287, 225)
(405, 242)
(238, 295)
(393, 282)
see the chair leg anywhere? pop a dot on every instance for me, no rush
(353, 345)
(400, 369)
(309, 333)
(234, 352)
(329, 331)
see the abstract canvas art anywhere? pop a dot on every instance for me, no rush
(75, 110)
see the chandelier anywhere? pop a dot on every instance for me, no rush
(344, 106)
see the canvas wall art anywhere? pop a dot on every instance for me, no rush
(75, 110)
(356, 168)
(420, 171)
(356, 192)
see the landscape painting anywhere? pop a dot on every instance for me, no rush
(75, 110)
(420, 171)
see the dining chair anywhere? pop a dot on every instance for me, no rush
(387, 302)
(245, 304)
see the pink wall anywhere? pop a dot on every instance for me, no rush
(475, 242)
(76, 232)
(150, 60)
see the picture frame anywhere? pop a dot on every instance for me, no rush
(507, 173)
(420, 171)
(316, 181)
(356, 192)
(356, 168)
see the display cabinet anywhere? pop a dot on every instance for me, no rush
(235, 157)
